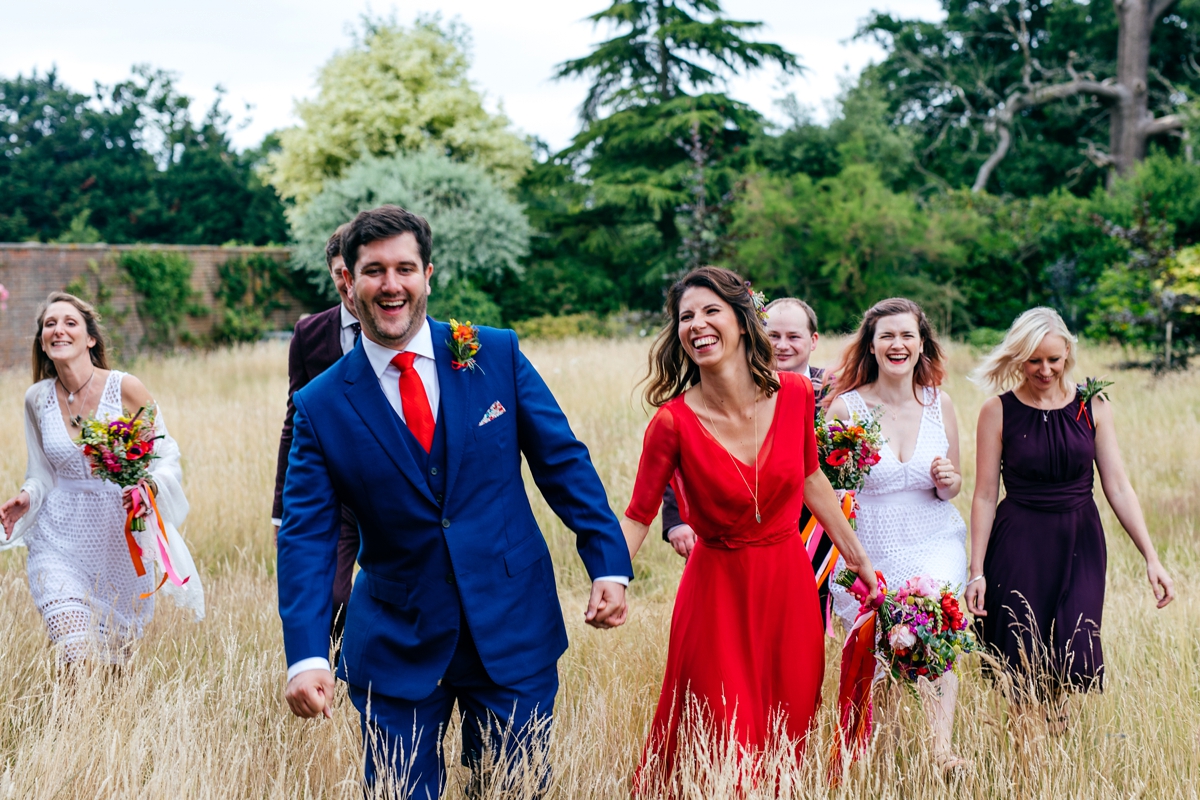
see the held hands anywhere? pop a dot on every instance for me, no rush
(683, 539)
(12, 511)
(606, 607)
(310, 694)
(1160, 582)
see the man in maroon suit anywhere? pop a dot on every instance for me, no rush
(318, 341)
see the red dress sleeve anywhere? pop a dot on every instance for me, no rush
(660, 459)
(811, 464)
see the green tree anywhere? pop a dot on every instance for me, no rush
(397, 90)
(1023, 96)
(479, 233)
(847, 241)
(617, 191)
(125, 164)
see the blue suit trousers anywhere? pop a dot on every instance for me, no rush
(403, 739)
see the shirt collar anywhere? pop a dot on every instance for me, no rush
(348, 319)
(808, 371)
(380, 356)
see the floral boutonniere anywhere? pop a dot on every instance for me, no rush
(1088, 391)
(464, 344)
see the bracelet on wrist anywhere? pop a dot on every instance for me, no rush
(978, 577)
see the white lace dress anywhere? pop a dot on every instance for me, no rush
(905, 527)
(80, 572)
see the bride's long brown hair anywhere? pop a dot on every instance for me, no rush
(858, 367)
(672, 370)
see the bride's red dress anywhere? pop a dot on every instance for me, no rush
(746, 637)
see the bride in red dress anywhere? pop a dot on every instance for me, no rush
(735, 440)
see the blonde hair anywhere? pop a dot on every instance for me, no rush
(1002, 368)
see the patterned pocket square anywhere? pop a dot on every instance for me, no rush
(493, 412)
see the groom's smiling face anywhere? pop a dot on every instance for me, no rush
(390, 286)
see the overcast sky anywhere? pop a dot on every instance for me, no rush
(266, 53)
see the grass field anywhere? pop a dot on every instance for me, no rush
(200, 713)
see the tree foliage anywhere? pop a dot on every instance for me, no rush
(125, 164)
(480, 233)
(397, 90)
(949, 82)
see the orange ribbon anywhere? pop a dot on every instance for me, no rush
(135, 550)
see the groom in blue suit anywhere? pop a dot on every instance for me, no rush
(456, 600)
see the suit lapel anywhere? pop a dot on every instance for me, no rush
(455, 386)
(381, 419)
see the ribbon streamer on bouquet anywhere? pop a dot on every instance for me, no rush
(812, 535)
(854, 688)
(142, 497)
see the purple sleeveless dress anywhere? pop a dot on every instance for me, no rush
(1046, 558)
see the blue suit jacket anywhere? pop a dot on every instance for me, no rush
(423, 555)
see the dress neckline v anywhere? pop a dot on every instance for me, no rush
(920, 427)
(714, 440)
(58, 408)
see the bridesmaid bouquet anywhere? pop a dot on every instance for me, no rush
(848, 449)
(922, 629)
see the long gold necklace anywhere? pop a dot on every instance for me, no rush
(736, 468)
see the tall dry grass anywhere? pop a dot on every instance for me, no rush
(200, 713)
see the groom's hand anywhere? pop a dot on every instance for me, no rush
(310, 693)
(606, 608)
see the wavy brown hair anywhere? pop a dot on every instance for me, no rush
(43, 367)
(672, 370)
(858, 367)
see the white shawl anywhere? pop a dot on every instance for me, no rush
(167, 474)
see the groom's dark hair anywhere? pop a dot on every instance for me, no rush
(384, 223)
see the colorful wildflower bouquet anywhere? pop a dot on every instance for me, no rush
(922, 630)
(917, 632)
(120, 450)
(848, 449)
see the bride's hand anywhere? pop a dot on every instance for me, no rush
(127, 501)
(943, 472)
(12, 511)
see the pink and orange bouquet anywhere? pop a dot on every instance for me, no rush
(922, 629)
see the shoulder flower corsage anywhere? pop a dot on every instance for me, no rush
(463, 344)
(1088, 391)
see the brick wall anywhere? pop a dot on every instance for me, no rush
(32, 271)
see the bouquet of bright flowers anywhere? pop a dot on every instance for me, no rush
(922, 630)
(120, 450)
(848, 449)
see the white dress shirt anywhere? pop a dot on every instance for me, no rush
(348, 322)
(389, 381)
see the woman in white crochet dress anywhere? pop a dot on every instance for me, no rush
(80, 570)
(905, 519)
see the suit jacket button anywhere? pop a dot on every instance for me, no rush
(445, 523)
(433, 470)
(450, 578)
(438, 497)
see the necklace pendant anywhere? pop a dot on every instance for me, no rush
(70, 397)
(758, 517)
(76, 420)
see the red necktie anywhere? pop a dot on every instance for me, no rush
(417, 414)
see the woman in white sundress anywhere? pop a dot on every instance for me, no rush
(905, 520)
(81, 574)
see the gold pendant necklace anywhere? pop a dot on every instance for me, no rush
(736, 468)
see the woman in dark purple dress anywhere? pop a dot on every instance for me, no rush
(1038, 560)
